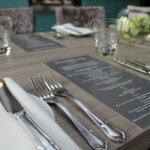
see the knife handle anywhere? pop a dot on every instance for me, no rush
(39, 141)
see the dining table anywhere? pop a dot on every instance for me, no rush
(21, 65)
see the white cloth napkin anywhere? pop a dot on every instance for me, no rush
(14, 137)
(12, 134)
(68, 28)
(12, 131)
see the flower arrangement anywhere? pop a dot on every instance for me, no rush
(136, 27)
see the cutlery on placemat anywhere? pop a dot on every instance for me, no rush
(49, 97)
(111, 132)
(13, 106)
(40, 118)
(134, 64)
(138, 63)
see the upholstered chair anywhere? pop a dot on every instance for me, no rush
(79, 16)
(140, 8)
(22, 19)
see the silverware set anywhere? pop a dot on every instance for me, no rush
(50, 89)
(48, 96)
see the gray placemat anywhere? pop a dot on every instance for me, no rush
(34, 42)
(125, 93)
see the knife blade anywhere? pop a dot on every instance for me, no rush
(40, 117)
(12, 106)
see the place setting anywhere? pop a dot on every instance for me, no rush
(37, 118)
(78, 81)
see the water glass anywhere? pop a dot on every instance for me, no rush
(107, 32)
(5, 33)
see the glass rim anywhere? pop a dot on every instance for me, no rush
(107, 19)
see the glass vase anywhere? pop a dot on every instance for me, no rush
(135, 25)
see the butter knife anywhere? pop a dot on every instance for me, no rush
(40, 118)
(12, 106)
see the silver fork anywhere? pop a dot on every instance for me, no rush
(111, 132)
(48, 96)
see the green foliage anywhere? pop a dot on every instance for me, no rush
(135, 27)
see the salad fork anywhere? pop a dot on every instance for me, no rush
(111, 132)
(48, 96)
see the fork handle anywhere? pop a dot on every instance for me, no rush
(94, 142)
(111, 132)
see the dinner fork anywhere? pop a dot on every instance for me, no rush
(111, 132)
(48, 96)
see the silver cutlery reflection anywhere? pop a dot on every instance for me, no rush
(133, 64)
(39, 140)
(111, 132)
(138, 63)
(13, 106)
(48, 96)
(40, 116)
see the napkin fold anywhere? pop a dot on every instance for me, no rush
(39, 113)
(68, 28)
(12, 134)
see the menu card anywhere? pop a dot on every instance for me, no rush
(34, 42)
(125, 93)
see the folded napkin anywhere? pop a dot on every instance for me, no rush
(68, 28)
(12, 132)
(13, 136)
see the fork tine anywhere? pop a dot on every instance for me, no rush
(39, 86)
(51, 81)
(47, 82)
(41, 82)
(35, 85)
(56, 82)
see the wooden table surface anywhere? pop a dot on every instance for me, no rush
(21, 65)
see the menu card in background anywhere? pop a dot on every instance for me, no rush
(34, 42)
(125, 93)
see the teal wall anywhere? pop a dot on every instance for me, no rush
(112, 7)
(44, 21)
(13, 3)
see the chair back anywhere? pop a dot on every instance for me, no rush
(138, 8)
(79, 16)
(22, 19)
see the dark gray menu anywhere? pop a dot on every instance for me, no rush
(125, 93)
(34, 42)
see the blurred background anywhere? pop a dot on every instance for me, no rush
(44, 10)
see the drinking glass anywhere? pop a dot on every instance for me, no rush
(107, 32)
(5, 33)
